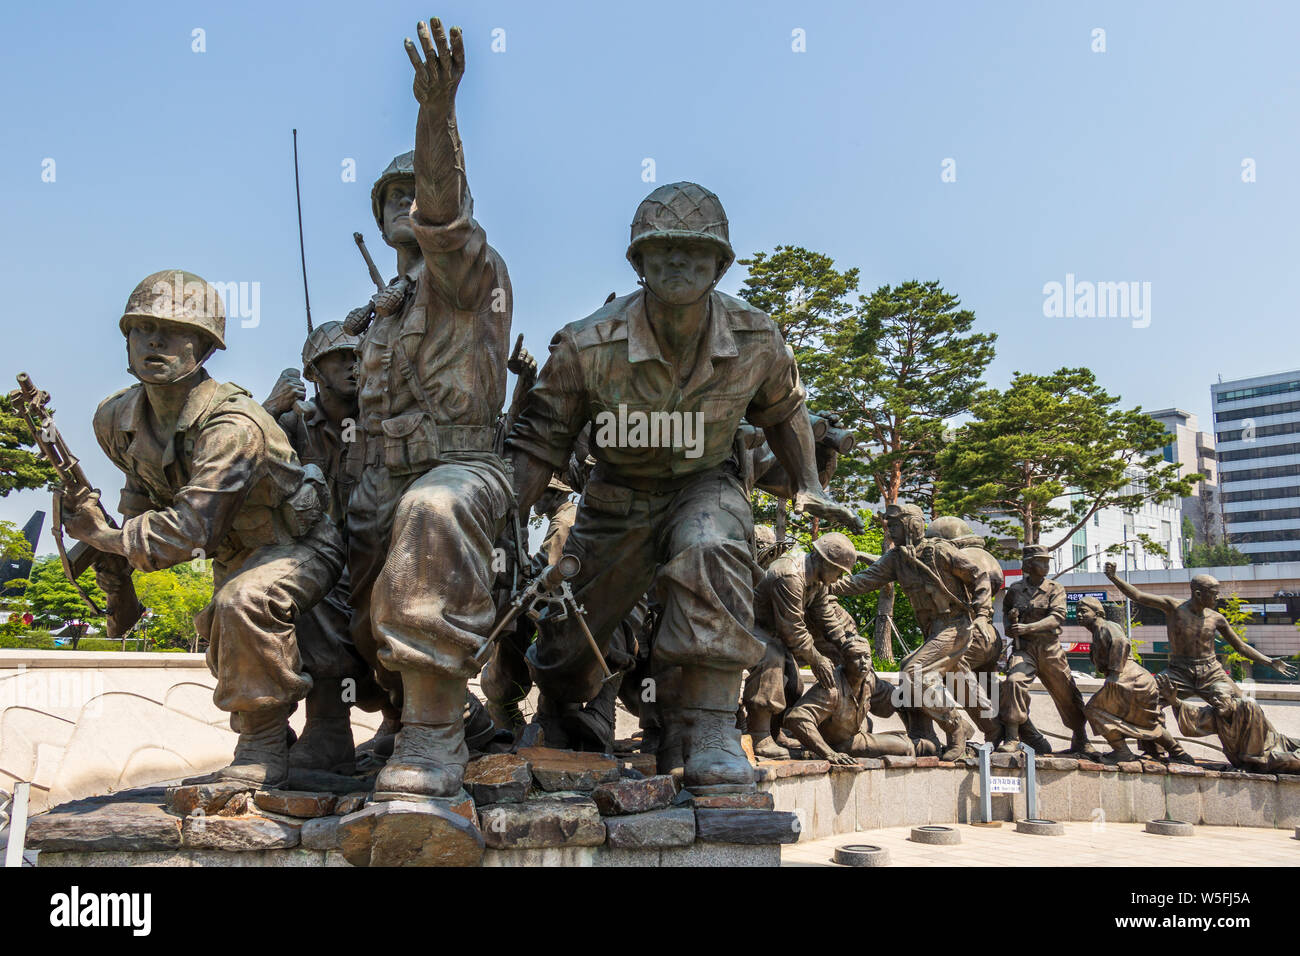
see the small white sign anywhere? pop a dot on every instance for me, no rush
(1004, 784)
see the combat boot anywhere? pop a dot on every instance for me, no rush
(957, 739)
(1010, 739)
(760, 732)
(1080, 744)
(262, 751)
(1178, 755)
(715, 761)
(326, 742)
(1034, 737)
(591, 728)
(429, 753)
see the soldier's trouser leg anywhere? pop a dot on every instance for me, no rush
(978, 685)
(252, 650)
(340, 677)
(923, 674)
(432, 609)
(1054, 672)
(700, 536)
(505, 680)
(894, 744)
(764, 696)
(370, 524)
(1191, 677)
(1021, 671)
(706, 585)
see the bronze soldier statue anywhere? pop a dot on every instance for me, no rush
(211, 475)
(1192, 625)
(1033, 611)
(322, 431)
(660, 510)
(984, 653)
(433, 493)
(834, 722)
(1128, 704)
(946, 589)
(799, 623)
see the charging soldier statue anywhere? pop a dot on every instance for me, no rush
(650, 514)
(946, 588)
(211, 474)
(433, 494)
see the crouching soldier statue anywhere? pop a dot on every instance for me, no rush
(209, 474)
(668, 509)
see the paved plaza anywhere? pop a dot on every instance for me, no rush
(1084, 844)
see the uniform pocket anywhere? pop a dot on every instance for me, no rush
(409, 443)
(606, 498)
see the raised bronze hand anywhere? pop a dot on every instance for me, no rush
(438, 74)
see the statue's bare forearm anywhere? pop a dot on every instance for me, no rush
(439, 158)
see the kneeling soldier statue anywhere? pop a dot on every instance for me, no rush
(209, 474)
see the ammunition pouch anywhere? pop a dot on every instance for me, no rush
(412, 443)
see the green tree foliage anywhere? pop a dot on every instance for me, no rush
(174, 596)
(1046, 437)
(805, 295)
(13, 545)
(52, 599)
(1216, 555)
(1238, 617)
(896, 370)
(19, 468)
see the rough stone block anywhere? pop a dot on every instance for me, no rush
(657, 828)
(321, 833)
(350, 803)
(238, 833)
(571, 821)
(569, 770)
(499, 778)
(634, 796)
(794, 768)
(646, 764)
(758, 800)
(747, 826)
(899, 763)
(122, 826)
(294, 804)
(406, 833)
(208, 797)
(1006, 761)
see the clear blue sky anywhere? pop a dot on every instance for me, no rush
(1115, 166)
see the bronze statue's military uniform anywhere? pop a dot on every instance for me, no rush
(797, 620)
(944, 585)
(433, 493)
(324, 633)
(228, 486)
(652, 510)
(1039, 656)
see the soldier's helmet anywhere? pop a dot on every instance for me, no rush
(955, 530)
(837, 549)
(401, 168)
(682, 211)
(179, 297)
(325, 338)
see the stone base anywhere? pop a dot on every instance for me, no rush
(1170, 828)
(935, 836)
(1040, 827)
